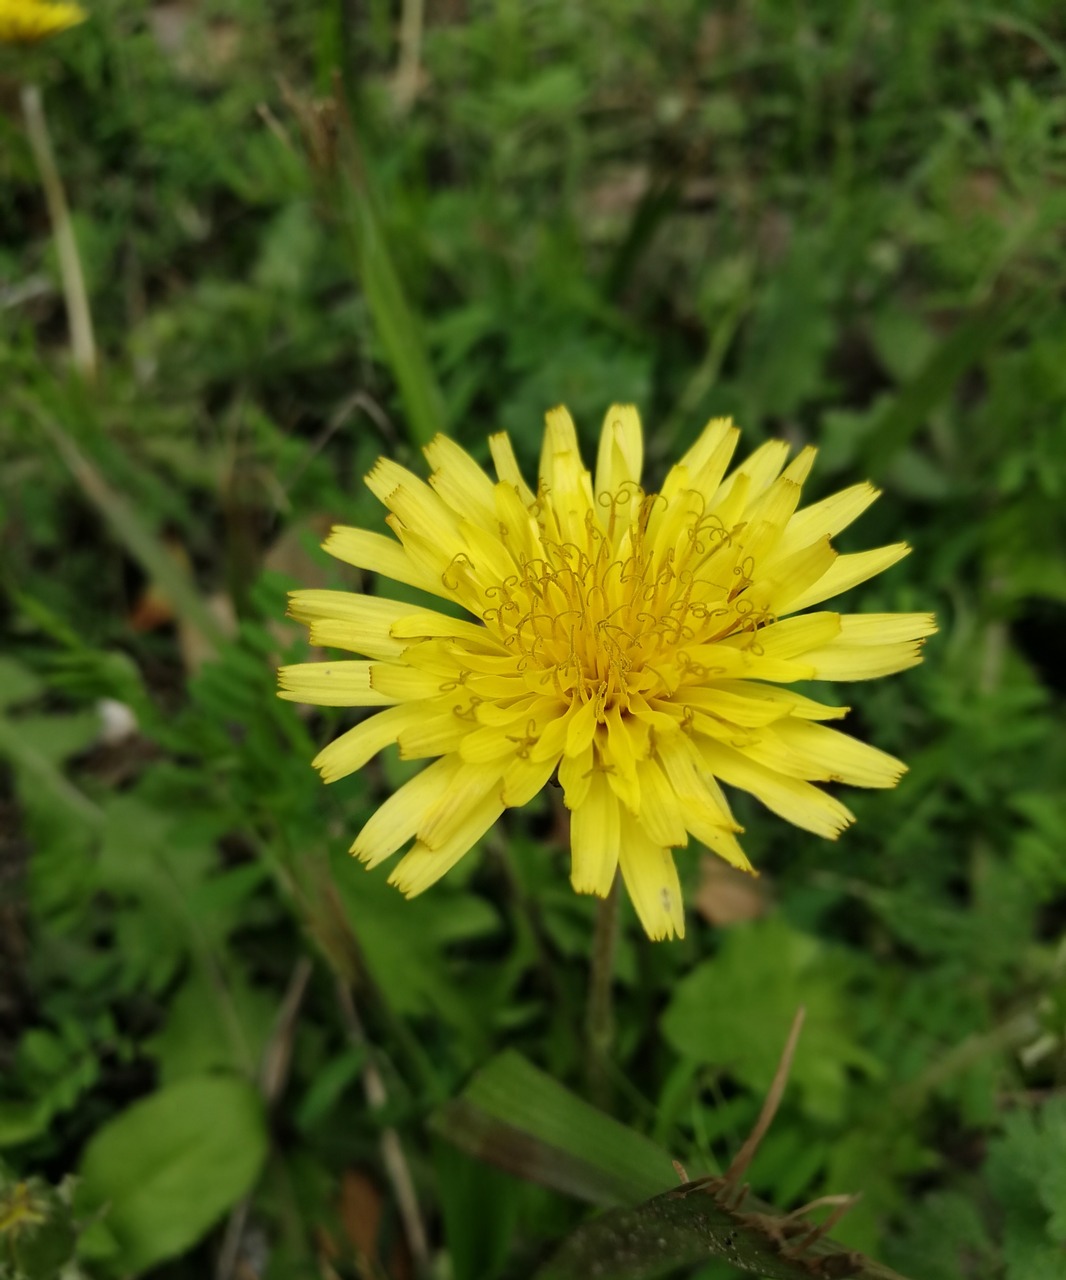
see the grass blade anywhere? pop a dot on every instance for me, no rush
(138, 539)
(516, 1117)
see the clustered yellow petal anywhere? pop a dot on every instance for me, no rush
(633, 645)
(28, 21)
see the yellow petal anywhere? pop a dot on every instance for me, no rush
(488, 552)
(785, 578)
(848, 572)
(507, 467)
(595, 835)
(774, 507)
(797, 802)
(380, 555)
(794, 637)
(872, 645)
(424, 866)
(353, 749)
(514, 737)
(28, 21)
(460, 482)
(564, 478)
(400, 683)
(661, 812)
(733, 705)
(400, 815)
(476, 789)
(740, 655)
(718, 839)
(707, 459)
(435, 732)
(800, 467)
(419, 624)
(516, 525)
(617, 751)
(352, 621)
(331, 684)
(651, 879)
(621, 452)
(553, 737)
(704, 808)
(760, 469)
(575, 777)
(581, 729)
(491, 742)
(828, 517)
(840, 757)
(523, 779)
(885, 628)
(791, 703)
(864, 661)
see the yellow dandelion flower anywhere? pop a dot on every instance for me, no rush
(28, 21)
(634, 645)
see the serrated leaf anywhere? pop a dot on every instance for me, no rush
(769, 966)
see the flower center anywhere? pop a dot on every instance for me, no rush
(610, 616)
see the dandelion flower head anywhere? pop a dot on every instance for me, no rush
(29, 21)
(635, 646)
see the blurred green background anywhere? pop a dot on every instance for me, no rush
(841, 222)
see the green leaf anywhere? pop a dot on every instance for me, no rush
(1027, 1171)
(514, 1116)
(478, 1243)
(44, 783)
(943, 1236)
(23, 1121)
(403, 942)
(395, 321)
(139, 539)
(687, 1226)
(940, 373)
(210, 1027)
(769, 966)
(168, 1168)
(17, 683)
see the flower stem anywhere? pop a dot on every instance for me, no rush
(79, 316)
(599, 1016)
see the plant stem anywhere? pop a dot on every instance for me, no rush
(83, 347)
(408, 68)
(392, 1153)
(599, 1018)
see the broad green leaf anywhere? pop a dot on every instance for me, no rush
(514, 1116)
(169, 1167)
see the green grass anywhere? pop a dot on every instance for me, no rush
(840, 222)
